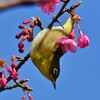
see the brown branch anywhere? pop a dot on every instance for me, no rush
(73, 7)
(23, 86)
(12, 3)
(13, 86)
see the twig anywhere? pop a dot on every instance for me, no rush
(13, 86)
(23, 86)
(69, 10)
(12, 3)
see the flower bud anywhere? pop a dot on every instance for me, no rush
(18, 36)
(26, 21)
(3, 80)
(30, 38)
(21, 26)
(83, 41)
(71, 35)
(25, 32)
(21, 44)
(21, 50)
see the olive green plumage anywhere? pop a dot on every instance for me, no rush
(45, 54)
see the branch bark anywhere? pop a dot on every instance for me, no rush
(14, 86)
(4, 4)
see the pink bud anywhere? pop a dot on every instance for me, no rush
(18, 36)
(21, 50)
(14, 74)
(26, 21)
(24, 32)
(3, 80)
(13, 64)
(83, 41)
(30, 38)
(71, 35)
(29, 96)
(8, 69)
(21, 44)
(21, 26)
(32, 25)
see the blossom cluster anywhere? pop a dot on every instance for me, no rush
(27, 32)
(11, 70)
(69, 43)
(13, 74)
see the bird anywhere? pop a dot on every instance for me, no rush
(45, 55)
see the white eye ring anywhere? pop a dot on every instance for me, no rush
(55, 71)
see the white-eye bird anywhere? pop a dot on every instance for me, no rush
(45, 54)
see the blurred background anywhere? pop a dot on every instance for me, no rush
(79, 77)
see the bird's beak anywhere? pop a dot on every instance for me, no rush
(54, 84)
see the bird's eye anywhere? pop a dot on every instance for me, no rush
(55, 71)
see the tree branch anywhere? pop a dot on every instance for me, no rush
(4, 4)
(13, 86)
(23, 86)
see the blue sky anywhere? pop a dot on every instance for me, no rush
(80, 72)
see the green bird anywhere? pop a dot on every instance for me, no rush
(45, 54)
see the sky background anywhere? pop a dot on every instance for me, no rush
(79, 77)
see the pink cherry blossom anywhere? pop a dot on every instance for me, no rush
(83, 41)
(13, 73)
(67, 44)
(3, 80)
(49, 6)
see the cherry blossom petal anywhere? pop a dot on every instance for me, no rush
(49, 6)
(67, 44)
